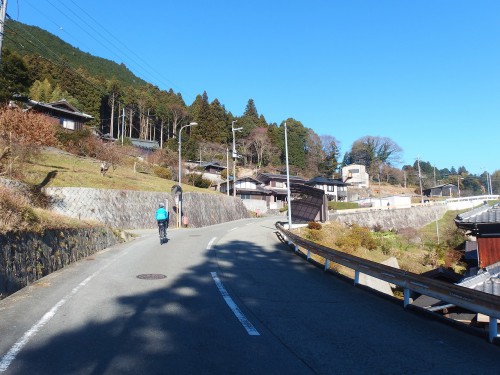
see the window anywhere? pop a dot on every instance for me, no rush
(330, 188)
(68, 124)
(246, 196)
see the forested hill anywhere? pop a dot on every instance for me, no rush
(41, 66)
(29, 40)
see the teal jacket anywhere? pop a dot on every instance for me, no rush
(161, 214)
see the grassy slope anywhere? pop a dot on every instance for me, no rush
(84, 172)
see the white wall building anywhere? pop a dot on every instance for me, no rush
(355, 175)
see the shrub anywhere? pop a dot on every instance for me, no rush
(197, 180)
(22, 134)
(162, 172)
(314, 225)
(366, 239)
(27, 128)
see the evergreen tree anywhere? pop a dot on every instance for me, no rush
(14, 76)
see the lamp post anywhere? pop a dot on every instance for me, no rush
(235, 155)
(179, 212)
(288, 183)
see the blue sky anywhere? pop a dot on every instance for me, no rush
(424, 73)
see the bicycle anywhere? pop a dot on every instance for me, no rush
(162, 231)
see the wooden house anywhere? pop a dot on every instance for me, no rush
(483, 223)
(60, 112)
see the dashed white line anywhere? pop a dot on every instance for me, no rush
(234, 308)
(230, 230)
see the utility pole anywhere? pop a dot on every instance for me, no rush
(420, 180)
(123, 123)
(235, 155)
(227, 171)
(3, 11)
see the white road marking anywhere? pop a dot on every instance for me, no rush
(230, 230)
(8, 358)
(16, 348)
(234, 308)
(209, 246)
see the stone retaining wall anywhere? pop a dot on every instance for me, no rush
(387, 219)
(26, 257)
(127, 209)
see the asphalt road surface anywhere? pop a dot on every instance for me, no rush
(225, 299)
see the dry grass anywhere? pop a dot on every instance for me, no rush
(73, 171)
(415, 253)
(18, 214)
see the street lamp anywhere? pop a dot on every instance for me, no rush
(180, 145)
(235, 155)
(179, 206)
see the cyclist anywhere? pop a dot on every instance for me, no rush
(162, 220)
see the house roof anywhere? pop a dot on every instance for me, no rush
(481, 215)
(325, 181)
(263, 177)
(484, 280)
(145, 144)
(62, 106)
(481, 220)
(205, 164)
(441, 186)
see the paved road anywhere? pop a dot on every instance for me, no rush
(234, 301)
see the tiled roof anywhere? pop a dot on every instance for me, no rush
(325, 181)
(482, 215)
(487, 281)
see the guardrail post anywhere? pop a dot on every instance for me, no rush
(356, 277)
(327, 264)
(296, 248)
(493, 328)
(406, 297)
(308, 254)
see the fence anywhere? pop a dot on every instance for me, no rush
(476, 301)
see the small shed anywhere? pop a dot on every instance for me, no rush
(445, 190)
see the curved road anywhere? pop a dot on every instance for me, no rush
(234, 300)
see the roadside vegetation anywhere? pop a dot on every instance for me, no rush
(417, 251)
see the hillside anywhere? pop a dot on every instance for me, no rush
(25, 40)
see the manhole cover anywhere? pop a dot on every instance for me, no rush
(151, 276)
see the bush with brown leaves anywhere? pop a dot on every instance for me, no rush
(27, 128)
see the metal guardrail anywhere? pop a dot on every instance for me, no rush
(473, 300)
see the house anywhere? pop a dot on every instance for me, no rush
(250, 191)
(209, 170)
(356, 175)
(335, 190)
(276, 184)
(483, 223)
(446, 190)
(60, 112)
